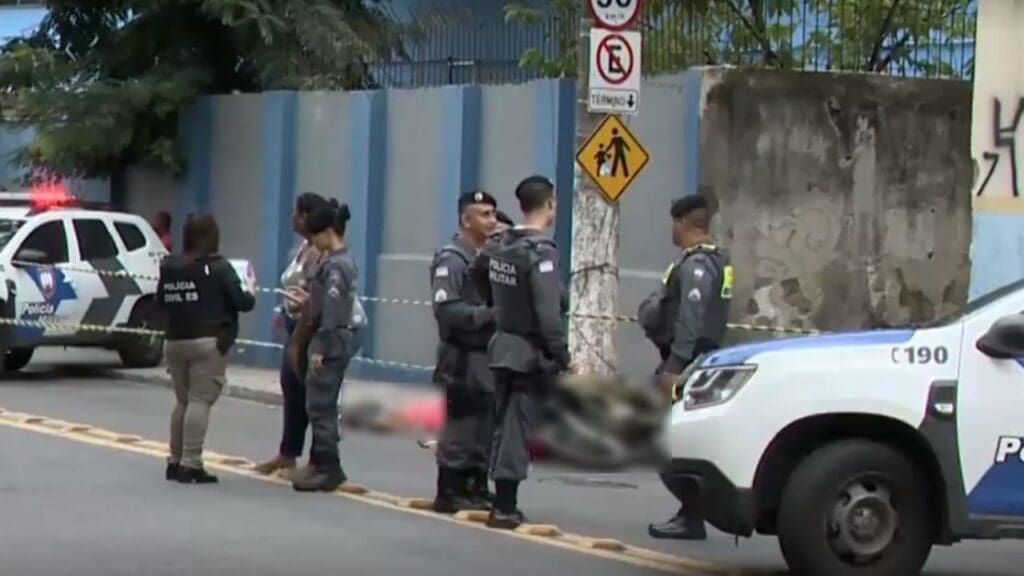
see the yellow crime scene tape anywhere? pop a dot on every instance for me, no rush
(412, 302)
(545, 534)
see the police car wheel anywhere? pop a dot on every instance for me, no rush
(855, 508)
(17, 358)
(142, 351)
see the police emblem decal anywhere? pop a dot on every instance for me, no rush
(46, 284)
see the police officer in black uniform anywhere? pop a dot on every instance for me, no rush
(519, 271)
(465, 325)
(201, 296)
(696, 297)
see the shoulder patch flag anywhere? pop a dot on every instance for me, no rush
(441, 272)
(546, 266)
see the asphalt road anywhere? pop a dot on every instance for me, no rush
(81, 509)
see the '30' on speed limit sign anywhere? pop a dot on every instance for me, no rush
(614, 14)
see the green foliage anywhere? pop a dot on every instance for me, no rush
(104, 82)
(848, 35)
(565, 13)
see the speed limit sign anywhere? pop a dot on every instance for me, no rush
(614, 14)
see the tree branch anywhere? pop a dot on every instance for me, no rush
(770, 57)
(876, 51)
(884, 63)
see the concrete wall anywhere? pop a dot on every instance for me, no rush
(844, 218)
(842, 197)
(997, 254)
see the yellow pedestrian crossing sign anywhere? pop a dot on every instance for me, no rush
(612, 157)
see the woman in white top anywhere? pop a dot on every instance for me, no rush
(295, 282)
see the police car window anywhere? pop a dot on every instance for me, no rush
(7, 230)
(94, 241)
(131, 235)
(50, 240)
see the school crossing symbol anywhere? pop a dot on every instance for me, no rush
(612, 157)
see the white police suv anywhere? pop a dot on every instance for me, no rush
(64, 263)
(861, 450)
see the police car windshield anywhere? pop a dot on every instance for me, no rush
(977, 304)
(8, 227)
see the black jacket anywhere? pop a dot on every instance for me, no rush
(201, 298)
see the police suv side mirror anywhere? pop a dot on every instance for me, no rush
(31, 255)
(1005, 339)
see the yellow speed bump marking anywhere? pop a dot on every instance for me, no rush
(472, 515)
(546, 534)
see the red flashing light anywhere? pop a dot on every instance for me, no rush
(50, 194)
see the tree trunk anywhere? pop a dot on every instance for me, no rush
(595, 244)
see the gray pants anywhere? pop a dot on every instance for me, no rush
(323, 387)
(465, 442)
(516, 415)
(198, 371)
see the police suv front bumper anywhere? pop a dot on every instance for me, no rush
(726, 507)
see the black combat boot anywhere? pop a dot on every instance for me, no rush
(683, 526)
(321, 480)
(505, 515)
(188, 475)
(478, 492)
(171, 473)
(451, 492)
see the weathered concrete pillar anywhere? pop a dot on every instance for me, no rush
(997, 249)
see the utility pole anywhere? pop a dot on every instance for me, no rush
(594, 284)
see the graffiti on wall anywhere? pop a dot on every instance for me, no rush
(1004, 148)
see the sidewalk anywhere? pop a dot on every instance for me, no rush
(364, 404)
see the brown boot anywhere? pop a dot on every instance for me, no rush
(279, 463)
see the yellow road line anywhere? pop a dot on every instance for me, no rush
(538, 533)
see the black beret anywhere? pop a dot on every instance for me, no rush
(683, 206)
(503, 218)
(476, 197)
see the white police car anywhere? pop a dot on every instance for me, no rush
(859, 450)
(61, 262)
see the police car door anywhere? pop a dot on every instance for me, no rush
(101, 274)
(990, 417)
(45, 292)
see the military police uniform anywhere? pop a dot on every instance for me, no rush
(696, 298)
(519, 271)
(336, 317)
(465, 326)
(687, 317)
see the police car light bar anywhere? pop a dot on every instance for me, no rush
(40, 197)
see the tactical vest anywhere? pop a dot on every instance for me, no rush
(193, 296)
(509, 272)
(660, 311)
(469, 295)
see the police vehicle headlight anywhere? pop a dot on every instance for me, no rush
(714, 386)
